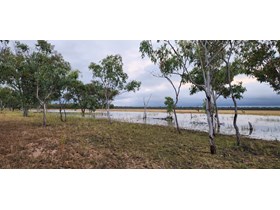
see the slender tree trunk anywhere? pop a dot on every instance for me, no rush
(145, 113)
(234, 121)
(108, 111)
(176, 119)
(64, 114)
(83, 112)
(61, 106)
(25, 111)
(235, 105)
(44, 115)
(145, 106)
(60, 111)
(217, 122)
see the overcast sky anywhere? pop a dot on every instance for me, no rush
(81, 53)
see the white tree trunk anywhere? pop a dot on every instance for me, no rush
(108, 111)
(210, 124)
(44, 115)
(209, 111)
(217, 121)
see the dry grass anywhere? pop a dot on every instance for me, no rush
(90, 143)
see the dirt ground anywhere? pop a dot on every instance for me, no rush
(24, 143)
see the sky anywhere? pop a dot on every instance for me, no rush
(81, 53)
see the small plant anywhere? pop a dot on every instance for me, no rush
(169, 102)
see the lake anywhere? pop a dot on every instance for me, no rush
(264, 127)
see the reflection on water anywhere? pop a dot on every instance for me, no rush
(263, 127)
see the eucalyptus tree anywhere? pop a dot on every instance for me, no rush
(18, 74)
(109, 72)
(208, 60)
(171, 68)
(86, 96)
(3, 53)
(232, 68)
(222, 80)
(8, 99)
(262, 60)
(50, 73)
(203, 55)
(63, 94)
(219, 81)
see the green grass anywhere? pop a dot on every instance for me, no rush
(95, 143)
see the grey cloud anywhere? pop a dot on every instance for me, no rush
(81, 52)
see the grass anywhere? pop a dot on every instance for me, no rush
(94, 143)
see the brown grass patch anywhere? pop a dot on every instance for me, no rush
(90, 143)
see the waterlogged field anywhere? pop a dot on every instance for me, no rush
(264, 127)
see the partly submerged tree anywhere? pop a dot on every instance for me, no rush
(219, 81)
(146, 103)
(169, 103)
(171, 67)
(203, 55)
(235, 91)
(207, 60)
(110, 73)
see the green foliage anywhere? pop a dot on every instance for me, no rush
(8, 99)
(262, 60)
(18, 73)
(169, 103)
(109, 72)
(133, 86)
(167, 57)
(237, 91)
(86, 96)
(52, 72)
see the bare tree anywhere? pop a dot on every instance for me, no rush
(146, 103)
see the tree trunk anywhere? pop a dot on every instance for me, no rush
(60, 112)
(108, 111)
(217, 122)
(145, 107)
(44, 115)
(235, 105)
(83, 112)
(145, 112)
(234, 121)
(210, 124)
(64, 114)
(176, 120)
(25, 111)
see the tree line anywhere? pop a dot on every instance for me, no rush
(35, 77)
